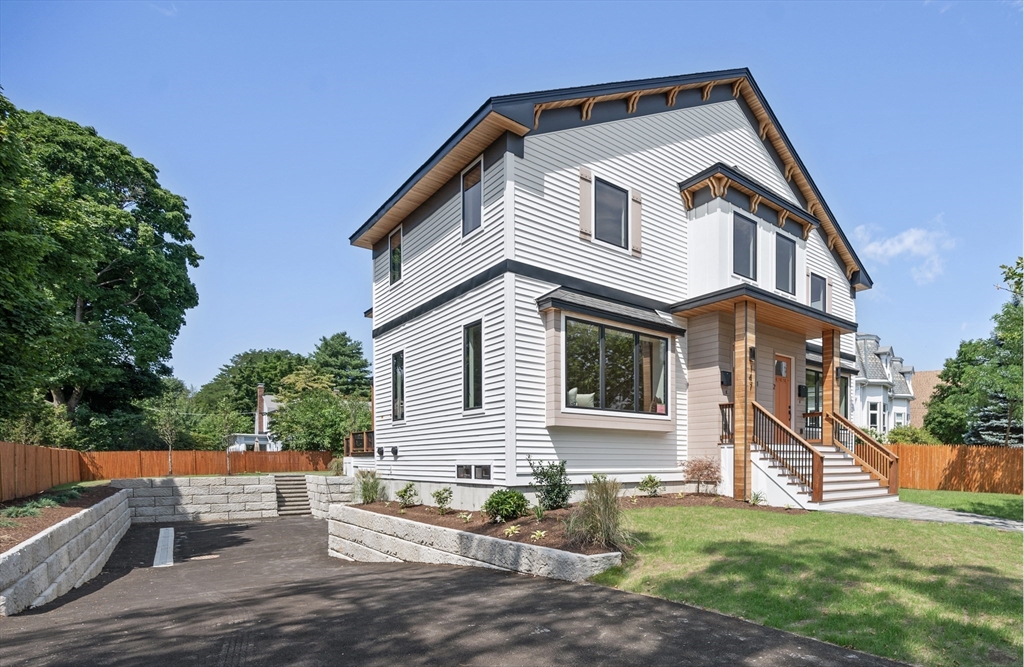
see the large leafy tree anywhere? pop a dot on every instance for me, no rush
(235, 383)
(341, 358)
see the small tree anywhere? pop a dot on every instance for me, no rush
(705, 470)
(551, 482)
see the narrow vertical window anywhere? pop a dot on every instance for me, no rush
(611, 213)
(472, 198)
(472, 368)
(818, 287)
(785, 264)
(844, 396)
(744, 247)
(395, 255)
(873, 415)
(398, 386)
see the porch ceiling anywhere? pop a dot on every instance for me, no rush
(772, 310)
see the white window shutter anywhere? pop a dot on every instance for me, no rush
(586, 203)
(635, 207)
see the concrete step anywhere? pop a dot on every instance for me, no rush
(861, 494)
(295, 512)
(857, 502)
(845, 476)
(829, 485)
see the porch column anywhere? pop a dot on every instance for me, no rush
(829, 382)
(744, 387)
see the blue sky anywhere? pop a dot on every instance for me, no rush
(286, 125)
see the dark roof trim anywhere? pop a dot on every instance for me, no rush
(752, 292)
(582, 303)
(368, 313)
(752, 185)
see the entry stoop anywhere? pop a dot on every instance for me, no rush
(292, 497)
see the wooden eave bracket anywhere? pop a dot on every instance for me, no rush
(705, 92)
(783, 216)
(755, 201)
(536, 115)
(763, 129)
(586, 108)
(670, 96)
(790, 170)
(737, 87)
(632, 100)
(688, 199)
(719, 185)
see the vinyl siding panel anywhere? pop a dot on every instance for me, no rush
(709, 344)
(821, 262)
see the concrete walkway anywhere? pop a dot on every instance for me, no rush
(267, 594)
(904, 510)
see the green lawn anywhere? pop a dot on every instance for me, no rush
(1002, 505)
(926, 593)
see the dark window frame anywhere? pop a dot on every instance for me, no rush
(736, 219)
(789, 243)
(626, 222)
(397, 410)
(824, 292)
(395, 267)
(479, 222)
(479, 370)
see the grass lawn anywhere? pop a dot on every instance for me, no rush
(926, 593)
(1002, 505)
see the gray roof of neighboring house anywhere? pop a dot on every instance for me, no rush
(575, 301)
(868, 362)
(900, 386)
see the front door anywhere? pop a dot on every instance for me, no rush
(783, 395)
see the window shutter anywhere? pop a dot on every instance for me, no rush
(828, 295)
(586, 203)
(635, 205)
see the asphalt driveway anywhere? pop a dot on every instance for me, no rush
(268, 594)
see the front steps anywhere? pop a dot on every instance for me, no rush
(292, 497)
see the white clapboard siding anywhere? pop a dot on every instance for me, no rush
(436, 257)
(821, 262)
(627, 455)
(437, 433)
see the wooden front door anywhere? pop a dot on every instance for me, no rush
(783, 390)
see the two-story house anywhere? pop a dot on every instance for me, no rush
(621, 276)
(884, 387)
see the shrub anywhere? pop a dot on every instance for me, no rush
(371, 487)
(505, 505)
(551, 483)
(597, 520)
(20, 511)
(758, 498)
(911, 435)
(408, 495)
(443, 498)
(337, 466)
(705, 470)
(650, 485)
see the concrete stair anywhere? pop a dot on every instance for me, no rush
(292, 497)
(844, 482)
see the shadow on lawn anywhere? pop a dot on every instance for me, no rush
(869, 599)
(1003, 508)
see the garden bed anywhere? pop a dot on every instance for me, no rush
(28, 526)
(701, 500)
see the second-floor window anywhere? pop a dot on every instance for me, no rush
(611, 213)
(744, 247)
(398, 386)
(818, 288)
(472, 198)
(785, 264)
(472, 368)
(395, 255)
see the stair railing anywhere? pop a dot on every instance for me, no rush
(789, 451)
(873, 456)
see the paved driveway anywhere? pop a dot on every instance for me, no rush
(268, 594)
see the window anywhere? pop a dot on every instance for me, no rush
(818, 287)
(398, 386)
(464, 472)
(395, 255)
(897, 419)
(612, 369)
(814, 401)
(785, 264)
(844, 396)
(744, 247)
(472, 368)
(481, 472)
(611, 213)
(873, 415)
(472, 198)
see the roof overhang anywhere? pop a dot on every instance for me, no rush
(772, 310)
(582, 303)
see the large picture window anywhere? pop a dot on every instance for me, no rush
(785, 264)
(395, 256)
(472, 198)
(472, 368)
(744, 247)
(607, 368)
(611, 213)
(398, 386)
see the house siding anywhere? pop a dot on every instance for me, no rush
(709, 343)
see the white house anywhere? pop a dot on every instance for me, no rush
(599, 275)
(884, 387)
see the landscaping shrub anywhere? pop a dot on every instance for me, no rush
(505, 505)
(551, 483)
(19, 511)
(705, 470)
(371, 487)
(911, 435)
(650, 485)
(598, 519)
(443, 498)
(408, 495)
(337, 466)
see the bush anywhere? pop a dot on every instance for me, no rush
(650, 485)
(408, 495)
(371, 487)
(443, 498)
(337, 466)
(911, 435)
(705, 470)
(505, 505)
(551, 483)
(598, 519)
(20, 511)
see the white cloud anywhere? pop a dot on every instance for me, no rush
(919, 246)
(169, 11)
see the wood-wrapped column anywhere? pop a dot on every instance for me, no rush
(744, 388)
(829, 383)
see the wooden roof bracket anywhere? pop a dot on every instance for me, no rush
(687, 199)
(763, 130)
(755, 201)
(719, 185)
(807, 229)
(536, 115)
(670, 96)
(586, 108)
(632, 100)
(705, 92)
(783, 216)
(737, 87)
(790, 171)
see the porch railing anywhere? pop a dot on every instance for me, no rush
(359, 443)
(873, 456)
(812, 426)
(789, 451)
(727, 423)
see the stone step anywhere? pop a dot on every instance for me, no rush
(295, 512)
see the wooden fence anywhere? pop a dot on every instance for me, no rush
(25, 470)
(986, 469)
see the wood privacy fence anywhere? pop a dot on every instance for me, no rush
(982, 468)
(26, 470)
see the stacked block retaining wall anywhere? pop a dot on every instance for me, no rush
(167, 499)
(323, 491)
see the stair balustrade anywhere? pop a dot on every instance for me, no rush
(871, 455)
(789, 451)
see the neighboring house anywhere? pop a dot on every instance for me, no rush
(924, 386)
(262, 440)
(624, 277)
(884, 387)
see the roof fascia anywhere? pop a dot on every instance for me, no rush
(749, 291)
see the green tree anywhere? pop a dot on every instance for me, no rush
(342, 358)
(236, 381)
(319, 420)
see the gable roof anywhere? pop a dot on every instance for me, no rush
(520, 114)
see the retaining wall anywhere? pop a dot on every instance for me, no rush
(62, 557)
(367, 536)
(166, 499)
(323, 491)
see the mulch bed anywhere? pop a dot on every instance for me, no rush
(29, 526)
(553, 521)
